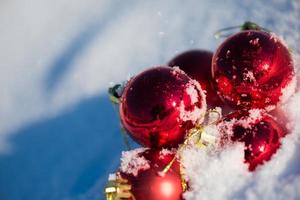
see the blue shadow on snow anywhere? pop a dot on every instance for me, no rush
(64, 156)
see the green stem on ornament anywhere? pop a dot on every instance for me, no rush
(226, 32)
(114, 94)
(115, 97)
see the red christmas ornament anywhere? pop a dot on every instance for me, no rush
(160, 105)
(259, 131)
(197, 64)
(147, 179)
(253, 69)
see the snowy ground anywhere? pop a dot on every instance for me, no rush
(59, 135)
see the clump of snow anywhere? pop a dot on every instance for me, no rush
(254, 115)
(254, 42)
(165, 152)
(132, 162)
(270, 107)
(195, 115)
(196, 94)
(192, 92)
(214, 175)
(249, 76)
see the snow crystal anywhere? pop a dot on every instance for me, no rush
(249, 76)
(254, 42)
(228, 53)
(132, 163)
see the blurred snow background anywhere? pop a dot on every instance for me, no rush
(59, 134)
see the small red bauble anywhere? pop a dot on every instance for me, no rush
(252, 69)
(160, 105)
(147, 180)
(197, 64)
(259, 132)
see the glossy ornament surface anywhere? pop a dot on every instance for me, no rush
(159, 106)
(197, 64)
(148, 182)
(259, 132)
(253, 69)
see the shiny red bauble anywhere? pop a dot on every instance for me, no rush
(160, 105)
(259, 132)
(253, 69)
(149, 183)
(197, 64)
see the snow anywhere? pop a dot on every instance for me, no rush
(247, 121)
(249, 76)
(254, 42)
(221, 174)
(59, 136)
(132, 162)
(193, 89)
(192, 92)
(213, 175)
(165, 152)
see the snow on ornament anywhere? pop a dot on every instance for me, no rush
(132, 163)
(150, 183)
(159, 106)
(197, 64)
(253, 69)
(258, 131)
